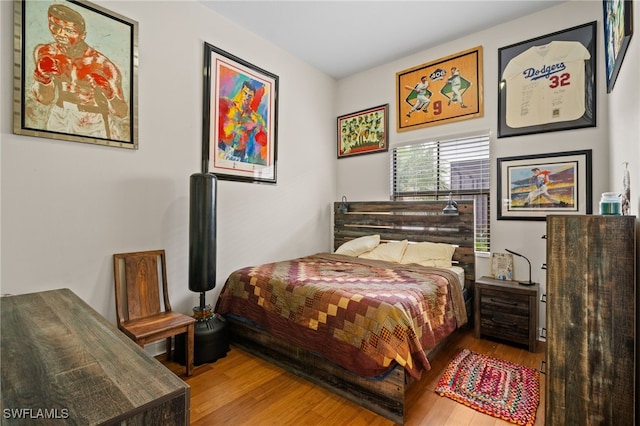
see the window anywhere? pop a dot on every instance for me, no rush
(431, 170)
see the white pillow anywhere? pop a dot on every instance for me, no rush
(429, 254)
(391, 252)
(358, 246)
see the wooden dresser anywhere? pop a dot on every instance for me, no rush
(591, 316)
(63, 363)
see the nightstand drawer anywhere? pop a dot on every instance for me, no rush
(508, 303)
(504, 326)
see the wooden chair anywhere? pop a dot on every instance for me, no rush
(139, 309)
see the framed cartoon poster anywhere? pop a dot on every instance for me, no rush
(363, 132)
(75, 73)
(443, 91)
(240, 119)
(548, 83)
(532, 186)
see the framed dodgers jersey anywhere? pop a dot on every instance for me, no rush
(548, 83)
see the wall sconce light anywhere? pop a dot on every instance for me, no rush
(523, 282)
(451, 208)
(343, 208)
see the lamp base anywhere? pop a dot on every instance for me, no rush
(527, 283)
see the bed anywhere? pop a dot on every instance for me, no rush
(363, 327)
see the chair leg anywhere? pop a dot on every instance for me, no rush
(189, 349)
(169, 351)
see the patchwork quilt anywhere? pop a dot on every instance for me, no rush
(364, 315)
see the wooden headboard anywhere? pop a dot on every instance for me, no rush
(414, 221)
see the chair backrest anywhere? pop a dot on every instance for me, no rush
(140, 277)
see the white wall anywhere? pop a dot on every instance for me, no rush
(67, 207)
(624, 120)
(624, 131)
(367, 177)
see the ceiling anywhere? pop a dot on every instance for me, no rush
(342, 38)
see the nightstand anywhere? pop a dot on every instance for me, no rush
(506, 310)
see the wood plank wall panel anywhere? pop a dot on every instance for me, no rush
(591, 314)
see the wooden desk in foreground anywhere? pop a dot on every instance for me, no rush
(63, 363)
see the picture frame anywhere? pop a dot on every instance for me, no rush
(502, 266)
(240, 122)
(363, 132)
(80, 85)
(538, 95)
(618, 29)
(561, 185)
(453, 92)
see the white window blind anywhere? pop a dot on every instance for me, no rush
(431, 170)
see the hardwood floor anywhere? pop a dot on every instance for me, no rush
(242, 389)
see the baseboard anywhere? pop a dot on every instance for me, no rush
(156, 348)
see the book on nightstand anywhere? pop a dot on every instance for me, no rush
(502, 266)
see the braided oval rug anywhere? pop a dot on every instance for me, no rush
(493, 386)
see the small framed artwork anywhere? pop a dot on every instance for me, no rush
(443, 91)
(363, 132)
(75, 73)
(618, 28)
(502, 266)
(531, 187)
(548, 83)
(240, 119)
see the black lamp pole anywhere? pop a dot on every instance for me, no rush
(523, 282)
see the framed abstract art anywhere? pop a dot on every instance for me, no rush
(240, 119)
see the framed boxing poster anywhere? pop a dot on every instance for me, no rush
(75, 73)
(548, 84)
(363, 132)
(531, 187)
(618, 28)
(443, 91)
(240, 123)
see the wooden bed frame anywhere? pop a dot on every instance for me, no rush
(412, 220)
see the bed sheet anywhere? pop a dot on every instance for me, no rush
(364, 315)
